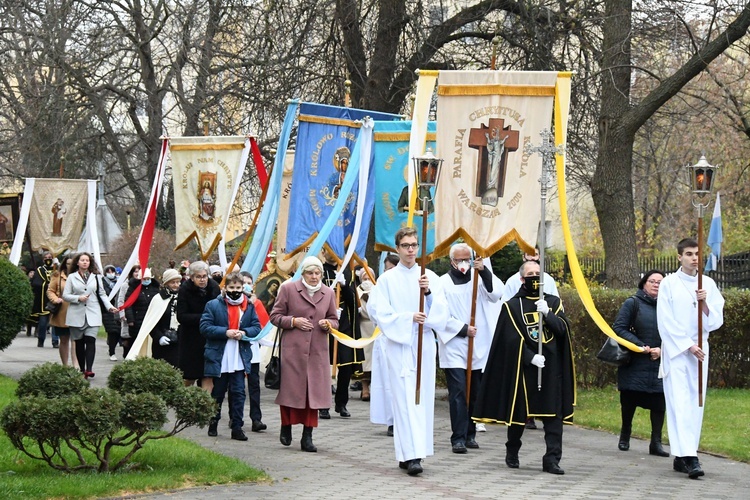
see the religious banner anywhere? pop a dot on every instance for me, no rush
(325, 141)
(206, 172)
(57, 210)
(391, 170)
(286, 265)
(489, 192)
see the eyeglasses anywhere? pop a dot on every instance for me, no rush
(200, 276)
(406, 246)
(653, 282)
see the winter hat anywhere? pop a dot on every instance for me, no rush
(169, 275)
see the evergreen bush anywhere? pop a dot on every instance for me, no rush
(16, 300)
(58, 416)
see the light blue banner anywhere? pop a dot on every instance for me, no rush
(391, 163)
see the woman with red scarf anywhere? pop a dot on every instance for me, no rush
(228, 323)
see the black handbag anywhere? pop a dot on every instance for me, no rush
(172, 336)
(613, 353)
(272, 379)
(52, 307)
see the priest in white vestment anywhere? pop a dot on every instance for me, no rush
(453, 341)
(677, 317)
(394, 307)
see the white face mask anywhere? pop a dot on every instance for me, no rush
(463, 266)
(366, 286)
(111, 276)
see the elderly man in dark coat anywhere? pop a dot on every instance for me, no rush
(305, 310)
(509, 391)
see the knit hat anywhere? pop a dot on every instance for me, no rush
(311, 262)
(214, 269)
(169, 275)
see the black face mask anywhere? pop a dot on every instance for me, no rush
(48, 262)
(531, 285)
(234, 295)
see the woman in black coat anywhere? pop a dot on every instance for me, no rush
(192, 298)
(638, 382)
(164, 334)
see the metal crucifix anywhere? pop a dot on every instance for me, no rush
(548, 151)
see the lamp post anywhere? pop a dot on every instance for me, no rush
(427, 173)
(701, 179)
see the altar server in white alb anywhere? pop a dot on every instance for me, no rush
(394, 307)
(677, 316)
(453, 341)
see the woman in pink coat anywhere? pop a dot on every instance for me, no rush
(305, 310)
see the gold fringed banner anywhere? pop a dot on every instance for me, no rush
(561, 116)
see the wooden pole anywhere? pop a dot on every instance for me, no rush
(423, 265)
(472, 322)
(335, 340)
(700, 304)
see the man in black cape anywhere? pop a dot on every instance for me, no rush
(509, 391)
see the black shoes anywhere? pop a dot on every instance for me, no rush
(511, 460)
(414, 467)
(471, 443)
(655, 448)
(213, 428)
(459, 448)
(306, 444)
(258, 426)
(286, 435)
(679, 465)
(324, 414)
(404, 465)
(693, 467)
(624, 444)
(530, 423)
(239, 435)
(341, 410)
(553, 469)
(390, 431)
(356, 386)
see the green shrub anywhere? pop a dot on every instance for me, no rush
(729, 364)
(57, 412)
(16, 300)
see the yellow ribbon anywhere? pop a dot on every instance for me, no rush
(562, 104)
(354, 343)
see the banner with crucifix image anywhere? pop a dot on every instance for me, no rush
(325, 141)
(489, 192)
(206, 172)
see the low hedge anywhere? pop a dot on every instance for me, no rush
(730, 345)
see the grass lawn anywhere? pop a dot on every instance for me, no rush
(726, 421)
(170, 463)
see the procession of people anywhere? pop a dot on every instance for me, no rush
(486, 343)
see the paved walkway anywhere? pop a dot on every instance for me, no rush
(355, 459)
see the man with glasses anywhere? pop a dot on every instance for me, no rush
(510, 391)
(394, 307)
(453, 341)
(677, 317)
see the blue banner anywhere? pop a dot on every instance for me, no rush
(391, 164)
(325, 141)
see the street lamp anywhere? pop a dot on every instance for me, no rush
(427, 173)
(701, 177)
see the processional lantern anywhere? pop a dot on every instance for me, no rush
(427, 174)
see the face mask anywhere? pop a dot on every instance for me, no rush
(463, 266)
(366, 286)
(531, 283)
(234, 295)
(247, 289)
(47, 262)
(146, 282)
(111, 276)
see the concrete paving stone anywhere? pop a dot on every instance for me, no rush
(356, 458)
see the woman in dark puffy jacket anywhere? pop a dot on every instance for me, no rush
(137, 311)
(638, 382)
(111, 321)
